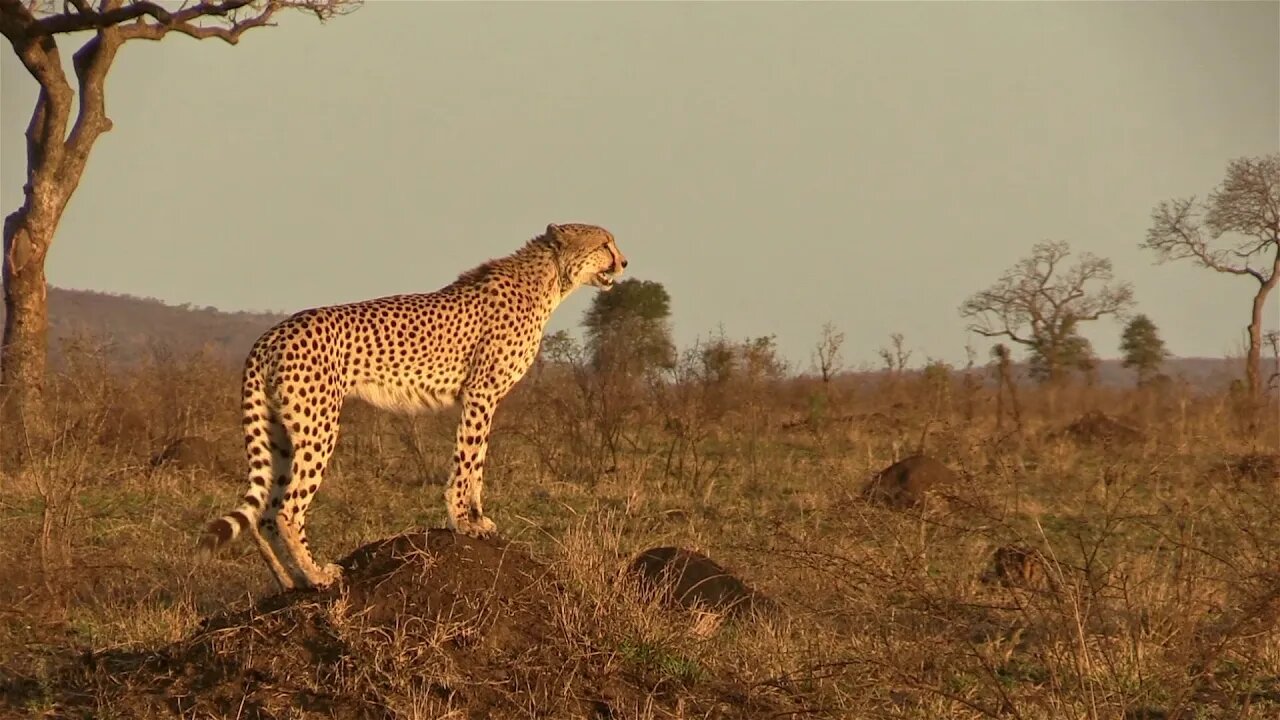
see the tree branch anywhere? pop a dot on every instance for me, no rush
(1001, 333)
(1175, 235)
(230, 34)
(149, 21)
(89, 19)
(92, 61)
(14, 19)
(1256, 248)
(48, 126)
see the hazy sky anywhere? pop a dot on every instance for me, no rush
(774, 165)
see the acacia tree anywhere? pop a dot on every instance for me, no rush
(1040, 302)
(628, 337)
(1142, 347)
(1236, 230)
(61, 135)
(628, 327)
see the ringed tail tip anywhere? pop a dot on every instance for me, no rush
(220, 532)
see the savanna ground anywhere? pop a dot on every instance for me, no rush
(1154, 594)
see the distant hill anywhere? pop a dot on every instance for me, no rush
(133, 326)
(1202, 373)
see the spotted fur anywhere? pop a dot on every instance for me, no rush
(468, 342)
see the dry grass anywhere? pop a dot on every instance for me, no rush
(1158, 556)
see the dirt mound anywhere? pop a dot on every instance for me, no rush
(426, 624)
(691, 580)
(1099, 427)
(906, 483)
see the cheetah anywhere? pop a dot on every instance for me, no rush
(469, 342)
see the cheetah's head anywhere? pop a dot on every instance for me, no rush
(589, 255)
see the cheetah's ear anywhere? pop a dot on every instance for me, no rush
(556, 235)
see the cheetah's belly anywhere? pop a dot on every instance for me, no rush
(405, 399)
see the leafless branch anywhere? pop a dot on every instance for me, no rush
(184, 22)
(89, 19)
(143, 19)
(1247, 205)
(1000, 333)
(1176, 233)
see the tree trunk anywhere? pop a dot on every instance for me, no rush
(23, 357)
(1253, 364)
(55, 164)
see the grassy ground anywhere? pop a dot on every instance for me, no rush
(1157, 595)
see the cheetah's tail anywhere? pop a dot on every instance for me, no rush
(227, 528)
(259, 424)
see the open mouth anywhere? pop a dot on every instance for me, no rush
(604, 280)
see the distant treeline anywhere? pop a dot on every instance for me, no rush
(129, 329)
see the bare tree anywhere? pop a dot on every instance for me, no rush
(60, 136)
(1236, 230)
(895, 359)
(1040, 303)
(827, 357)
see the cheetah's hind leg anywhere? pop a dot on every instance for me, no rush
(283, 579)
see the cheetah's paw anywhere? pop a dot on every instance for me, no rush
(481, 528)
(330, 575)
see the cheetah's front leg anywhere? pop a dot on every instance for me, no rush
(314, 576)
(462, 496)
